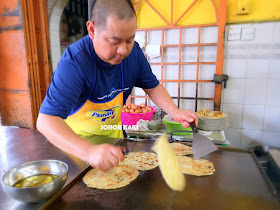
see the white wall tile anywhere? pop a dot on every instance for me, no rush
(257, 69)
(206, 89)
(155, 59)
(150, 103)
(255, 91)
(171, 54)
(276, 32)
(189, 35)
(138, 100)
(140, 37)
(187, 104)
(274, 68)
(222, 96)
(272, 118)
(206, 72)
(273, 94)
(209, 34)
(175, 101)
(171, 36)
(208, 54)
(253, 117)
(156, 69)
(189, 54)
(206, 105)
(188, 72)
(234, 93)
(271, 138)
(251, 137)
(234, 112)
(171, 72)
(233, 136)
(187, 89)
(139, 91)
(172, 88)
(263, 32)
(235, 68)
(154, 37)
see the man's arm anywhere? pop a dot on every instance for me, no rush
(161, 98)
(55, 129)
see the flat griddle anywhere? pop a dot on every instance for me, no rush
(238, 183)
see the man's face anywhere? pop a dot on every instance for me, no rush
(115, 41)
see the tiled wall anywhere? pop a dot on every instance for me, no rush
(188, 72)
(252, 96)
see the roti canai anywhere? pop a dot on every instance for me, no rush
(199, 167)
(178, 149)
(141, 160)
(119, 176)
(169, 165)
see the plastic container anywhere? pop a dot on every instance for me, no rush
(176, 126)
(133, 118)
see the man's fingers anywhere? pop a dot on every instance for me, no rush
(117, 151)
(105, 166)
(185, 124)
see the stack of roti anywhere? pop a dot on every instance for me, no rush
(119, 176)
(141, 160)
(178, 149)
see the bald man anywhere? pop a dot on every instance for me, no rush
(92, 81)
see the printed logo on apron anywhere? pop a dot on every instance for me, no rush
(104, 115)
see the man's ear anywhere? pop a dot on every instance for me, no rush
(91, 29)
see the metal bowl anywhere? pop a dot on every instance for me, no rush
(38, 193)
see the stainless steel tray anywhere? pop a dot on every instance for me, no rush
(238, 183)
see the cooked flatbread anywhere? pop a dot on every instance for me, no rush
(119, 176)
(141, 160)
(199, 167)
(178, 149)
(169, 166)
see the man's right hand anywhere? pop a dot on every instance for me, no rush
(104, 156)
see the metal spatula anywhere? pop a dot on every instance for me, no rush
(201, 145)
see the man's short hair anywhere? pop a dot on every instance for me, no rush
(101, 9)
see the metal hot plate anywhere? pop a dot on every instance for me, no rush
(238, 183)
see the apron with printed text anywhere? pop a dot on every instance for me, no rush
(93, 118)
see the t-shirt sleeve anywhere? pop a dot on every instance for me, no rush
(64, 91)
(146, 79)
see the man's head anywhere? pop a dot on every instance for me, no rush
(112, 29)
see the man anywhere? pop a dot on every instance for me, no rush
(92, 82)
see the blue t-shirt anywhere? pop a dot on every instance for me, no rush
(81, 74)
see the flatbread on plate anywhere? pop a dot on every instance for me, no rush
(141, 160)
(199, 167)
(117, 177)
(178, 149)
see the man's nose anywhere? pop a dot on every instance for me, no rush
(122, 49)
